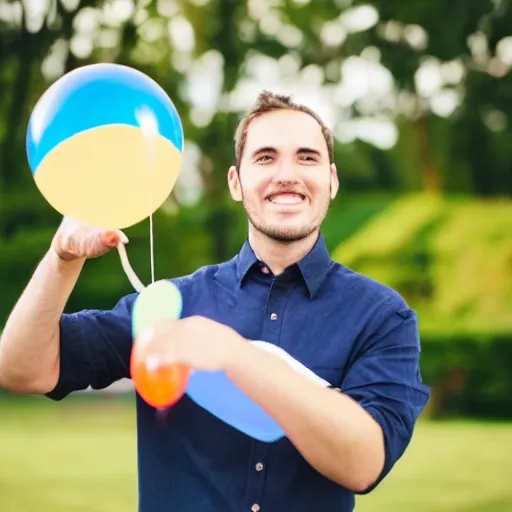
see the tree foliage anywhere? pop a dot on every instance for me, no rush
(417, 94)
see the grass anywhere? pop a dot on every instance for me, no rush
(68, 457)
(80, 456)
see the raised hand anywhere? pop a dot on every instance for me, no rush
(75, 240)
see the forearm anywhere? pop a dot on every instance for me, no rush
(333, 433)
(29, 346)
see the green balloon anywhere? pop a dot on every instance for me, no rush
(159, 301)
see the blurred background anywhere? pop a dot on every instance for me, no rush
(419, 96)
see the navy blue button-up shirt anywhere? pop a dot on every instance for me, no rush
(350, 330)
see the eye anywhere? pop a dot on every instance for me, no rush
(264, 159)
(309, 158)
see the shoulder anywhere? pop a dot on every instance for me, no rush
(368, 293)
(381, 314)
(198, 277)
(203, 278)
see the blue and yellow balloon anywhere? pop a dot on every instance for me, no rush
(104, 144)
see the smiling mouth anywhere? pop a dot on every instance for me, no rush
(286, 198)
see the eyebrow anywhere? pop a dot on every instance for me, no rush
(300, 151)
(308, 151)
(265, 149)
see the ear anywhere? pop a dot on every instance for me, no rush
(335, 184)
(235, 188)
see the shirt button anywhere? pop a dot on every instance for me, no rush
(273, 316)
(255, 508)
(259, 466)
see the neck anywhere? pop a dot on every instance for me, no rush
(280, 255)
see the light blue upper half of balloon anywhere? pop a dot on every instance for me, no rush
(99, 95)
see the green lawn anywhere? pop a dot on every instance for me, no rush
(79, 456)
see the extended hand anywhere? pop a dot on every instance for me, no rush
(196, 341)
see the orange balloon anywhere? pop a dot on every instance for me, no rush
(159, 385)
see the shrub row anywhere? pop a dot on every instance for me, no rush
(469, 375)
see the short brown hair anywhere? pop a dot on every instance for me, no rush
(269, 102)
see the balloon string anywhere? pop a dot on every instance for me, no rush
(150, 141)
(152, 248)
(128, 270)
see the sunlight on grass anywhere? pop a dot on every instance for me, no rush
(80, 456)
(449, 467)
(68, 457)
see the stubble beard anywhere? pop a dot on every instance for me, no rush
(285, 235)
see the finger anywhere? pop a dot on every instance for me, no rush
(110, 239)
(113, 237)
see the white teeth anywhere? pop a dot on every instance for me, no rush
(286, 199)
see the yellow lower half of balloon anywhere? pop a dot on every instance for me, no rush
(112, 176)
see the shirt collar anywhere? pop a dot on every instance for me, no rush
(314, 267)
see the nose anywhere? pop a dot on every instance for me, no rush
(286, 172)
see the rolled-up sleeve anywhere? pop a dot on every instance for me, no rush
(385, 380)
(95, 348)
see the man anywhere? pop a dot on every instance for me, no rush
(282, 288)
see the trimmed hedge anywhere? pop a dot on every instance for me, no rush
(470, 375)
(450, 258)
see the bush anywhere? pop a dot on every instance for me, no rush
(469, 375)
(450, 258)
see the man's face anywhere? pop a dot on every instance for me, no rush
(285, 179)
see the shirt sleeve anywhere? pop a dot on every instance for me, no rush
(95, 348)
(386, 381)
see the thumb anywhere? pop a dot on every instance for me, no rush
(112, 237)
